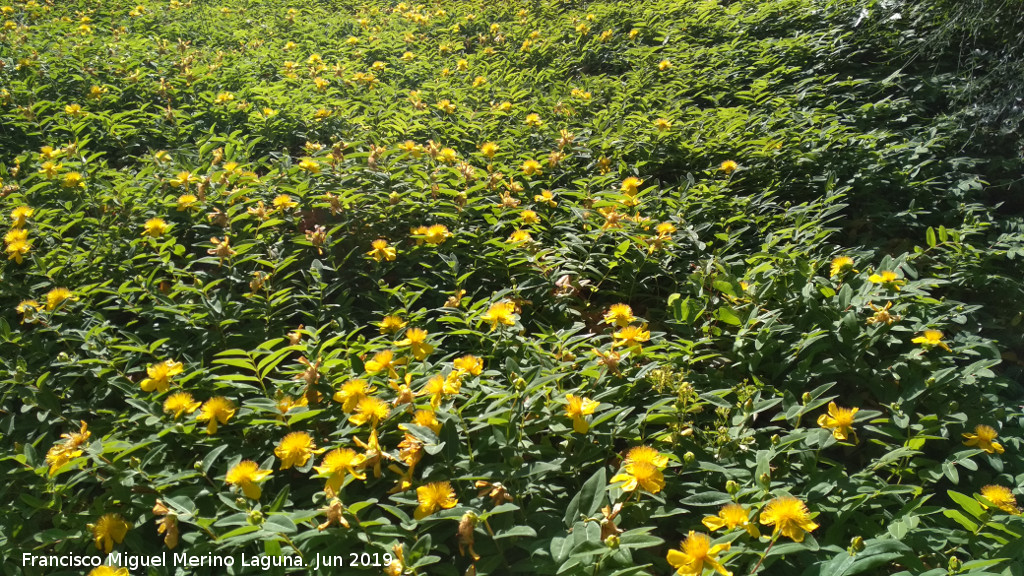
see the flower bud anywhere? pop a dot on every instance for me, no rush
(612, 542)
(806, 397)
(748, 406)
(765, 480)
(255, 516)
(689, 457)
(954, 564)
(776, 439)
(732, 487)
(856, 545)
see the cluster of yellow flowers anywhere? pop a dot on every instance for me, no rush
(357, 399)
(16, 238)
(889, 280)
(54, 298)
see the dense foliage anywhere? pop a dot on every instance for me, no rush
(524, 287)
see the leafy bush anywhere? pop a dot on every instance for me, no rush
(533, 287)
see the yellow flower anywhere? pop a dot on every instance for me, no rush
(531, 167)
(731, 516)
(641, 473)
(489, 149)
(391, 324)
(932, 338)
(446, 106)
(73, 180)
(436, 234)
(646, 454)
(180, 403)
(888, 279)
(381, 251)
(1002, 497)
(17, 250)
(295, 449)
(665, 229)
(28, 309)
(790, 516)
(384, 360)
(984, 438)
(108, 530)
(57, 296)
(532, 120)
(50, 168)
(108, 571)
(631, 185)
(520, 236)
(160, 375)
(59, 455)
(840, 264)
(20, 215)
(185, 201)
(309, 165)
(695, 553)
(416, 339)
(662, 124)
(155, 227)
(619, 315)
(284, 202)
(336, 464)
(216, 409)
(500, 313)
(16, 235)
(447, 155)
(468, 364)
(438, 386)
(840, 420)
(433, 497)
(529, 217)
(370, 409)
(184, 178)
(352, 391)
(425, 418)
(664, 65)
(286, 403)
(576, 408)
(729, 166)
(632, 337)
(245, 475)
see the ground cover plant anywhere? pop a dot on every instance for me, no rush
(465, 287)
